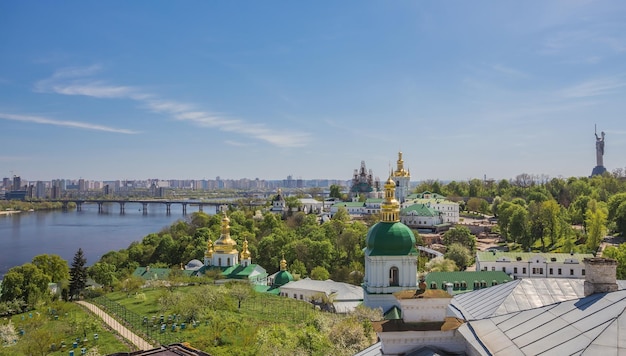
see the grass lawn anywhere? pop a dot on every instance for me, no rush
(41, 329)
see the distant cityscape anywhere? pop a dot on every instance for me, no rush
(18, 188)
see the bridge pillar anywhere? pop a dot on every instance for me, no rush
(79, 206)
(184, 208)
(200, 206)
(145, 208)
(122, 207)
(168, 208)
(100, 207)
(64, 205)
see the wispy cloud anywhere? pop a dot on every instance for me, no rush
(594, 87)
(72, 124)
(76, 81)
(10, 158)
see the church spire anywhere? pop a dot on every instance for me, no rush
(390, 207)
(245, 253)
(225, 243)
(283, 264)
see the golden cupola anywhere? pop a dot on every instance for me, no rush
(283, 264)
(209, 249)
(400, 171)
(225, 244)
(390, 207)
(245, 253)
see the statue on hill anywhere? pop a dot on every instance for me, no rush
(599, 168)
(599, 149)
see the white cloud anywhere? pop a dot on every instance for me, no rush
(71, 81)
(595, 87)
(72, 124)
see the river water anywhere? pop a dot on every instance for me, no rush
(28, 234)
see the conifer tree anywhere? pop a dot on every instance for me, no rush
(78, 274)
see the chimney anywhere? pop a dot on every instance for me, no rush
(600, 275)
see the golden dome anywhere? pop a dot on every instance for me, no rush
(283, 264)
(209, 249)
(245, 253)
(225, 244)
(400, 171)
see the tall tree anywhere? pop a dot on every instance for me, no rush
(78, 274)
(461, 235)
(53, 266)
(595, 217)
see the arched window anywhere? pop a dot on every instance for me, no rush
(393, 276)
(219, 261)
(228, 261)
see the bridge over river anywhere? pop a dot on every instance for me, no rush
(145, 202)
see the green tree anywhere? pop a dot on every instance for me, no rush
(297, 267)
(103, 273)
(460, 255)
(25, 282)
(618, 254)
(78, 274)
(53, 266)
(595, 219)
(336, 191)
(320, 273)
(441, 264)
(617, 212)
(461, 235)
(240, 291)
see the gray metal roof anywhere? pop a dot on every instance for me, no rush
(585, 326)
(520, 294)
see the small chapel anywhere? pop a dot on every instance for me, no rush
(223, 255)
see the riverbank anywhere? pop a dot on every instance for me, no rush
(9, 212)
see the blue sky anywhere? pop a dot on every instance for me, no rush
(245, 89)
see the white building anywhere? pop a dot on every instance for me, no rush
(420, 216)
(449, 210)
(343, 296)
(390, 256)
(533, 265)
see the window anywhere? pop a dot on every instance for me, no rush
(300, 296)
(219, 261)
(463, 285)
(515, 270)
(559, 271)
(393, 276)
(504, 269)
(551, 271)
(433, 285)
(228, 261)
(571, 272)
(535, 270)
(295, 296)
(524, 270)
(493, 269)
(476, 285)
(583, 271)
(541, 270)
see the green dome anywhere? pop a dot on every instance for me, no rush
(390, 239)
(282, 278)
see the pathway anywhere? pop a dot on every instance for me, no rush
(119, 328)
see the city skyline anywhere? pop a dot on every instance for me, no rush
(118, 90)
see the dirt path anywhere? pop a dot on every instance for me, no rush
(119, 328)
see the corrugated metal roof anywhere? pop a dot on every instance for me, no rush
(518, 295)
(582, 326)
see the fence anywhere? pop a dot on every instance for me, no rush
(164, 330)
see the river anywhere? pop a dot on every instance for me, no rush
(28, 234)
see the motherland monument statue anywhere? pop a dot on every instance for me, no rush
(599, 168)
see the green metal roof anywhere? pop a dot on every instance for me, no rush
(394, 313)
(390, 239)
(421, 195)
(282, 278)
(489, 256)
(468, 277)
(420, 209)
(148, 273)
(374, 200)
(349, 204)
